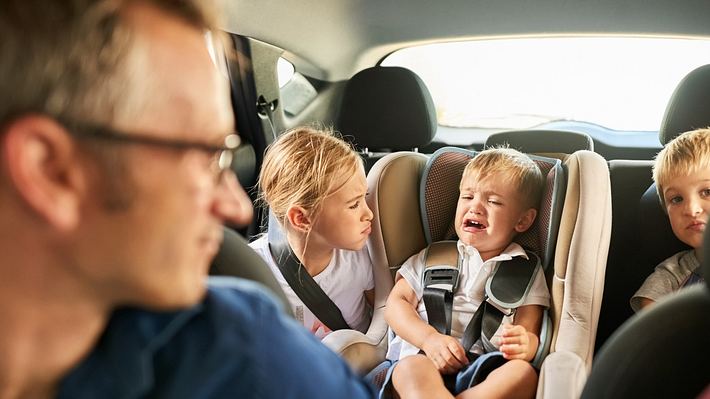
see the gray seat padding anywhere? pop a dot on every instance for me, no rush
(235, 258)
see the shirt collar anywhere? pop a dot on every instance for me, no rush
(512, 250)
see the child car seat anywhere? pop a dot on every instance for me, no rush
(576, 259)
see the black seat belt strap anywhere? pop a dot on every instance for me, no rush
(440, 279)
(310, 293)
(508, 287)
(485, 321)
(438, 309)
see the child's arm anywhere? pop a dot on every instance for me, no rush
(445, 351)
(645, 302)
(520, 340)
(370, 297)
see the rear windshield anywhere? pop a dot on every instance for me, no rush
(621, 83)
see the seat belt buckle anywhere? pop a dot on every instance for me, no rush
(441, 277)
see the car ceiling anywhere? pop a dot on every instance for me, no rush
(333, 39)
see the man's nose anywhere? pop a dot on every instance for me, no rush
(231, 203)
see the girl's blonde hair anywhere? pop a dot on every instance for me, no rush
(682, 156)
(520, 170)
(302, 167)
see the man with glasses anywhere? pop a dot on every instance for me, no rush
(116, 138)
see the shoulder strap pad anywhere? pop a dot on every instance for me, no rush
(441, 266)
(442, 253)
(510, 282)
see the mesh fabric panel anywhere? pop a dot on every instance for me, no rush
(441, 190)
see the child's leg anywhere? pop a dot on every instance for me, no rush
(514, 379)
(417, 377)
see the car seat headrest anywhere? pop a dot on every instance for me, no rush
(387, 108)
(536, 141)
(687, 109)
(438, 196)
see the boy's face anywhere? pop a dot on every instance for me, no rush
(490, 212)
(687, 201)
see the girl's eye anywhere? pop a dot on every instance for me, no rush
(355, 205)
(676, 200)
(494, 202)
(466, 197)
(705, 192)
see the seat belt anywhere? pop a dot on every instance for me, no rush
(440, 280)
(506, 288)
(307, 290)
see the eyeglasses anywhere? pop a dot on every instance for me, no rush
(221, 156)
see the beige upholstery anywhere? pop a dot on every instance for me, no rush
(393, 196)
(399, 174)
(391, 218)
(576, 278)
(577, 284)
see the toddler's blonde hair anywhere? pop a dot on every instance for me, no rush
(682, 156)
(520, 170)
(302, 167)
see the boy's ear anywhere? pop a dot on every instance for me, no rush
(299, 218)
(526, 220)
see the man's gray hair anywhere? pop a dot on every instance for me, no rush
(69, 58)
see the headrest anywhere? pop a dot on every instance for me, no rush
(688, 107)
(438, 196)
(535, 141)
(387, 108)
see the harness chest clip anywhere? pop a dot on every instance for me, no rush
(441, 277)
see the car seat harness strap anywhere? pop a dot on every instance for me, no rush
(506, 289)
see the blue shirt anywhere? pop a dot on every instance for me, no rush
(235, 344)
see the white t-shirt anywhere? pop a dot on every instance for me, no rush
(472, 282)
(344, 280)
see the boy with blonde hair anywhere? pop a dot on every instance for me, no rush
(499, 192)
(682, 176)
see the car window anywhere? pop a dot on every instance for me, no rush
(620, 83)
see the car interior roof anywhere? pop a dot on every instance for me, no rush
(345, 36)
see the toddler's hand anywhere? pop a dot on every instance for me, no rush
(514, 342)
(446, 352)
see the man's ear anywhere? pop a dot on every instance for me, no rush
(299, 218)
(526, 220)
(43, 168)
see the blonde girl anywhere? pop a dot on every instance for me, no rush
(314, 185)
